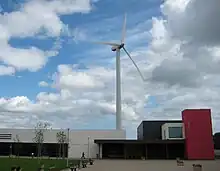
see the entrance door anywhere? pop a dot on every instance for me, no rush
(135, 151)
(113, 151)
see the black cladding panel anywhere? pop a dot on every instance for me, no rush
(151, 130)
(140, 131)
(216, 138)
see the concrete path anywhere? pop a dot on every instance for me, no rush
(150, 165)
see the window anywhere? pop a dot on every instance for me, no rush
(5, 136)
(175, 132)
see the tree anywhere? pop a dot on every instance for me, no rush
(61, 139)
(39, 131)
(17, 144)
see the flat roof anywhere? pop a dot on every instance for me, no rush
(165, 121)
(124, 141)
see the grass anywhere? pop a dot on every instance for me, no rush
(29, 164)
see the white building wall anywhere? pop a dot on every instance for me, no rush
(80, 140)
(164, 132)
(27, 135)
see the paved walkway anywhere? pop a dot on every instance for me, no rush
(150, 165)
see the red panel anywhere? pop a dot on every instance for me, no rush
(198, 134)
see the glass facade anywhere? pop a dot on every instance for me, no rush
(175, 132)
(25, 149)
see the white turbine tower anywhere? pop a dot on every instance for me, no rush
(116, 47)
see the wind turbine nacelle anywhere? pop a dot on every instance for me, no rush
(114, 48)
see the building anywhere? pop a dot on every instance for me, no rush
(198, 134)
(216, 139)
(189, 138)
(152, 130)
(153, 142)
(80, 141)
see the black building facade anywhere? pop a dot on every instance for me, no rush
(216, 138)
(151, 130)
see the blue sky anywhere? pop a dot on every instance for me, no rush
(107, 15)
(103, 22)
(50, 70)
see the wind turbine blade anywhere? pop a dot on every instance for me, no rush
(107, 43)
(134, 64)
(124, 29)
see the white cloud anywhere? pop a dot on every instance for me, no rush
(43, 14)
(193, 20)
(35, 17)
(66, 78)
(32, 59)
(6, 70)
(43, 84)
(95, 96)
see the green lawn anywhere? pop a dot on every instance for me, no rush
(29, 164)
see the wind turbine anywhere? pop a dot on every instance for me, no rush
(116, 47)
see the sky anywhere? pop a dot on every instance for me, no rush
(51, 71)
